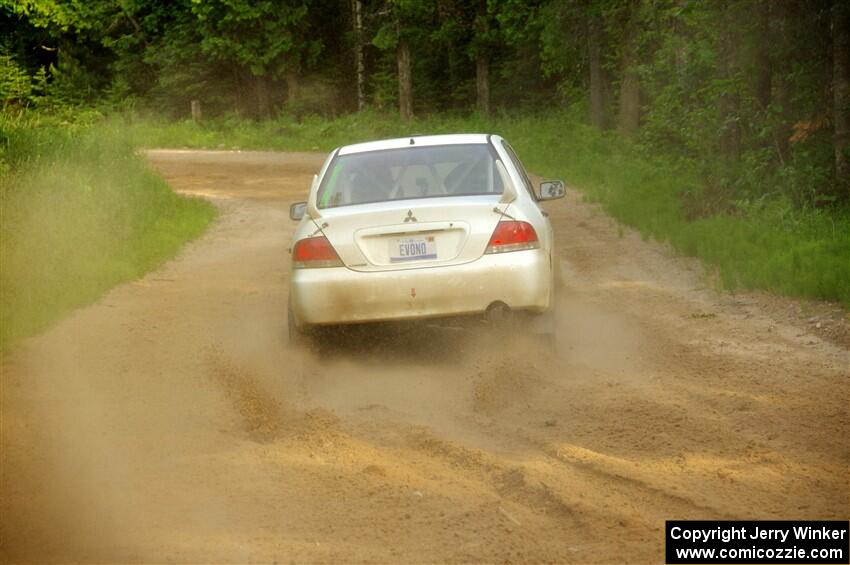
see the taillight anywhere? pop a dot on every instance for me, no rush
(512, 236)
(314, 252)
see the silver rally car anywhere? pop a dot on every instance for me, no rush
(421, 227)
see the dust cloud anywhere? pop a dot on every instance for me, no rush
(171, 421)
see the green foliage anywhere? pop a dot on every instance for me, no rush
(261, 36)
(704, 84)
(737, 96)
(80, 213)
(57, 15)
(15, 82)
(410, 19)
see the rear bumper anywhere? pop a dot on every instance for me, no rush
(522, 280)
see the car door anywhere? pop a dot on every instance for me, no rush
(529, 188)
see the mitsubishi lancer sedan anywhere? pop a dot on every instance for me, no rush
(421, 227)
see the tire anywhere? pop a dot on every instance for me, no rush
(545, 324)
(296, 336)
(557, 275)
(544, 327)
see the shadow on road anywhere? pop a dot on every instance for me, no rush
(421, 343)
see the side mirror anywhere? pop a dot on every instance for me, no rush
(552, 189)
(296, 211)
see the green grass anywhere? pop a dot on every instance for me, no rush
(79, 213)
(774, 246)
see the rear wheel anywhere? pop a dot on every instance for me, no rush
(558, 274)
(540, 326)
(544, 325)
(296, 335)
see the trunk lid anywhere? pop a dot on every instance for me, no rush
(410, 234)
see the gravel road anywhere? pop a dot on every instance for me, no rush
(171, 422)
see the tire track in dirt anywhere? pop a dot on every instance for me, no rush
(261, 413)
(169, 422)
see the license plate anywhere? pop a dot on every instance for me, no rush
(413, 249)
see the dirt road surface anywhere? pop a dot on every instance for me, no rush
(171, 422)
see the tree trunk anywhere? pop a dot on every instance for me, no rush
(482, 82)
(481, 45)
(764, 64)
(262, 91)
(729, 104)
(453, 67)
(841, 93)
(629, 118)
(360, 68)
(597, 88)
(293, 87)
(629, 104)
(405, 81)
(238, 76)
(783, 98)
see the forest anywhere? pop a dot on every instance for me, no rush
(756, 91)
(719, 126)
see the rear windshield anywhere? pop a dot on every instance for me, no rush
(411, 172)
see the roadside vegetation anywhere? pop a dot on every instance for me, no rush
(79, 213)
(720, 127)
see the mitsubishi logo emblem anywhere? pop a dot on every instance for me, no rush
(410, 217)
